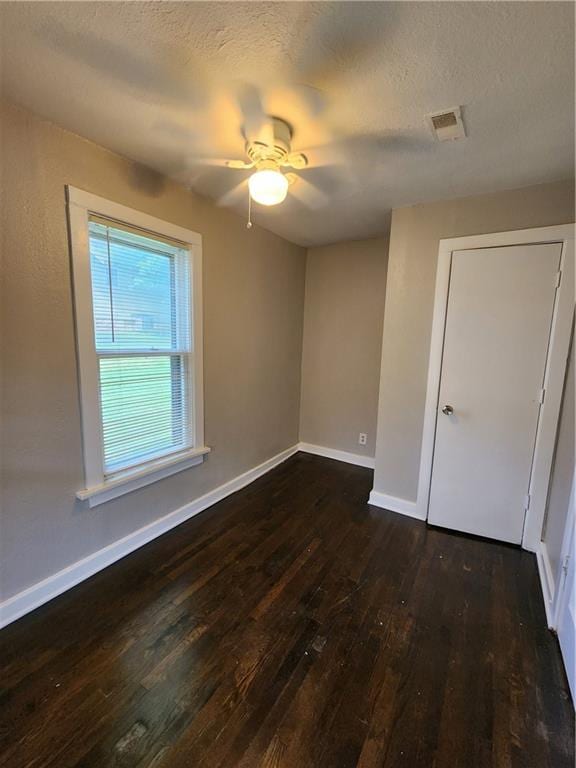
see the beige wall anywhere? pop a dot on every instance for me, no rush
(562, 475)
(409, 303)
(253, 306)
(344, 307)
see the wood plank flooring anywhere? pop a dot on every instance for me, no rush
(292, 626)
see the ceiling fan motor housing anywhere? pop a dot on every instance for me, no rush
(272, 145)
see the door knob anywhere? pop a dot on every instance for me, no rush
(448, 410)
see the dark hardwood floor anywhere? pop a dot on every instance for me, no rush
(292, 626)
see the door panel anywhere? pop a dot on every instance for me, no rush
(498, 322)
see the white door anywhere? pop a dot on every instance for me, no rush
(498, 322)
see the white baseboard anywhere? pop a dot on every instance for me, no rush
(332, 453)
(33, 597)
(546, 582)
(395, 504)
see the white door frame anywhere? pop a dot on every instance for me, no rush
(560, 593)
(554, 374)
(558, 608)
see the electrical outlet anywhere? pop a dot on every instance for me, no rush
(362, 438)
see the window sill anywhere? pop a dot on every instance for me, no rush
(128, 481)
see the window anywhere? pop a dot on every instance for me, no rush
(140, 302)
(137, 287)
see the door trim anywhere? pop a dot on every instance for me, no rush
(560, 595)
(553, 377)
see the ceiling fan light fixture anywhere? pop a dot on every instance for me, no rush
(268, 187)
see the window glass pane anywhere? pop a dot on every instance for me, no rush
(134, 285)
(140, 292)
(143, 408)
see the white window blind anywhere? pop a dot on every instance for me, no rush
(143, 338)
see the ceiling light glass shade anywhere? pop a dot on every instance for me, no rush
(268, 187)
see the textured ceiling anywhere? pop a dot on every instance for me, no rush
(158, 82)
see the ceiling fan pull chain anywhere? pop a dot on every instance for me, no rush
(249, 224)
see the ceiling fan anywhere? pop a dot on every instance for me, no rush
(268, 153)
(329, 162)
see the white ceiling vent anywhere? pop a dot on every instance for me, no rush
(447, 124)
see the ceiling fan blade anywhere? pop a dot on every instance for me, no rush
(312, 99)
(324, 155)
(215, 162)
(193, 161)
(238, 164)
(356, 37)
(253, 113)
(296, 160)
(119, 62)
(234, 195)
(307, 193)
(352, 150)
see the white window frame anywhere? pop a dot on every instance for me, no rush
(100, 487)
